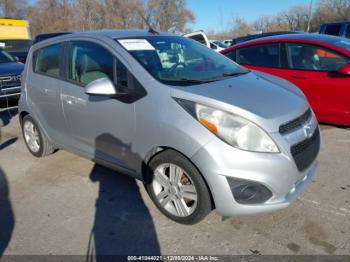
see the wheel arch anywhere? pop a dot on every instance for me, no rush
(22, 115)
(158, 150)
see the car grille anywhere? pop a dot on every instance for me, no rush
(305, 152)
(295, 123)
(10, 81)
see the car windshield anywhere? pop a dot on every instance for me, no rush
(15, 45)
(178, 60)
(5, 57)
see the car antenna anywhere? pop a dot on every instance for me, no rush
(150, 29)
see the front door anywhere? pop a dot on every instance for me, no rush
(101, 127)
(314, 70)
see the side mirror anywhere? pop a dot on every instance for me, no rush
(101, 87)
(16, 58)
(345, 70)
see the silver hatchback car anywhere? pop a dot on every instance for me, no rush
(202, 132)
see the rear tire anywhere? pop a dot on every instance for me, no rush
(177, 188)
(35, 140)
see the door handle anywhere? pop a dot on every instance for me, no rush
(70, 100)
(298, 77)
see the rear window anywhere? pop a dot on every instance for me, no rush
(333, 29)
(267, 55)
(47, 60)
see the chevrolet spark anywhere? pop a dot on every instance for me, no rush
(200, 131)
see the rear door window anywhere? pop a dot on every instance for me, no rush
(48, 60)
(333, 30)
(267, 55)
(314, 58)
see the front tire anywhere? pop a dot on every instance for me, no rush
(177, 188)
(36, 142)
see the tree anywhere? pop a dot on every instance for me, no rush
(84, 15)
(330, 11)
(168, 15)
(123, 13)
(296, 17)
(240, 27)
(13, 8)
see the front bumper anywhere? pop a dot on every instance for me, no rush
(219, 161)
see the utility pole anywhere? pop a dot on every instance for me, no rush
(310, 14)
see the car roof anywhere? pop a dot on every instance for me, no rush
(336, 23)
(110, 33)
(308, 37)
(261, 35)
(116, 34)
(52, 33)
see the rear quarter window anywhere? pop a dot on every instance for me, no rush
(47, 60)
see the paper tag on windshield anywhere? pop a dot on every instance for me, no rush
(136, 44)
(2, 44)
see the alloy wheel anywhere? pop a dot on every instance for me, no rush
(174, 190)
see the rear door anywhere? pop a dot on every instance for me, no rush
(314, 69)
(44, 88)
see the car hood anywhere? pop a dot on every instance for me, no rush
(11, 68)
(257, 96)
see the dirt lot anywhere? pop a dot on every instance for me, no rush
(64, 204)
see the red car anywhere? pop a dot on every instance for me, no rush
(318, 64)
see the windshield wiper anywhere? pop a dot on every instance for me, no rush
(235, 73)
(186, 80)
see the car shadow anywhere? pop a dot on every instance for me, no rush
(5, 118)
(123, 225)
(7, 220)
(7, 143)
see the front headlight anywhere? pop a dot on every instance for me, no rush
(234, 130)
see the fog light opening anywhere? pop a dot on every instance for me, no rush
(247, 192)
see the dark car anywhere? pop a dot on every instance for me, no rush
(17, 48)
(42, 37)
(341, 29)
(10, 79)
(255, 36)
